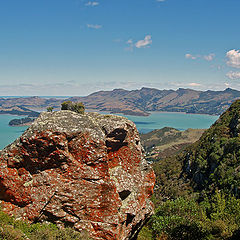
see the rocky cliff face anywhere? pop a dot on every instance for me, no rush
(84, 171)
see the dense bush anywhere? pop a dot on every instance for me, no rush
(75, 107)
(214, 158)
(178, 219)
(215, 217)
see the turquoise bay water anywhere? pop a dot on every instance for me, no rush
(156, 120)
(180, 121)
(9, 134)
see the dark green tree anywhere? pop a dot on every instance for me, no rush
(67, 105)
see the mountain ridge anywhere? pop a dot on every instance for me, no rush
(145, 100)
(139, 102)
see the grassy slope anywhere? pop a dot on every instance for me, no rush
(167, 141)
(12, 229)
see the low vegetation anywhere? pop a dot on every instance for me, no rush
(12, 229)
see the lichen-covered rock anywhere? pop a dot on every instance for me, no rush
(84, 171)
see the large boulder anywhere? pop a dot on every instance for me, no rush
(83, 171)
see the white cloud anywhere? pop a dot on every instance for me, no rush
(160, 0)
(190, 56)
(94, 26)
(92, 4)
(75, 88)
(145, 42)
(186, 85)
(139, 44)
(209, 57)
(193, 84)
(233, 75)
(233, 57)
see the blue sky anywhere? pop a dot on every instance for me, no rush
(75, 47)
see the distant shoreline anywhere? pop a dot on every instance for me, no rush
(184, 113)
(152, 112)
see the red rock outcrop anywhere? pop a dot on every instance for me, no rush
(84, 171)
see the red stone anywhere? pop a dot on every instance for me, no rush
(84, 171)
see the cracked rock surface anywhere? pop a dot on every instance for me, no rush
(83, 171)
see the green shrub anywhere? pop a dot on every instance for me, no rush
(178, 217)
(49, 109)
(75, 107)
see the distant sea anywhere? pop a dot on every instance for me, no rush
(156, 120)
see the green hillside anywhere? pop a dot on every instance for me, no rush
(213, 162)
(197, 191)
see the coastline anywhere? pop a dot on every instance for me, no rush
(21, 125)
(153, 112)
(184, 113)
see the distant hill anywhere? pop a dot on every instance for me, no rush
(165, 142)
(139, 102)
(18, 110)
(34, 103)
